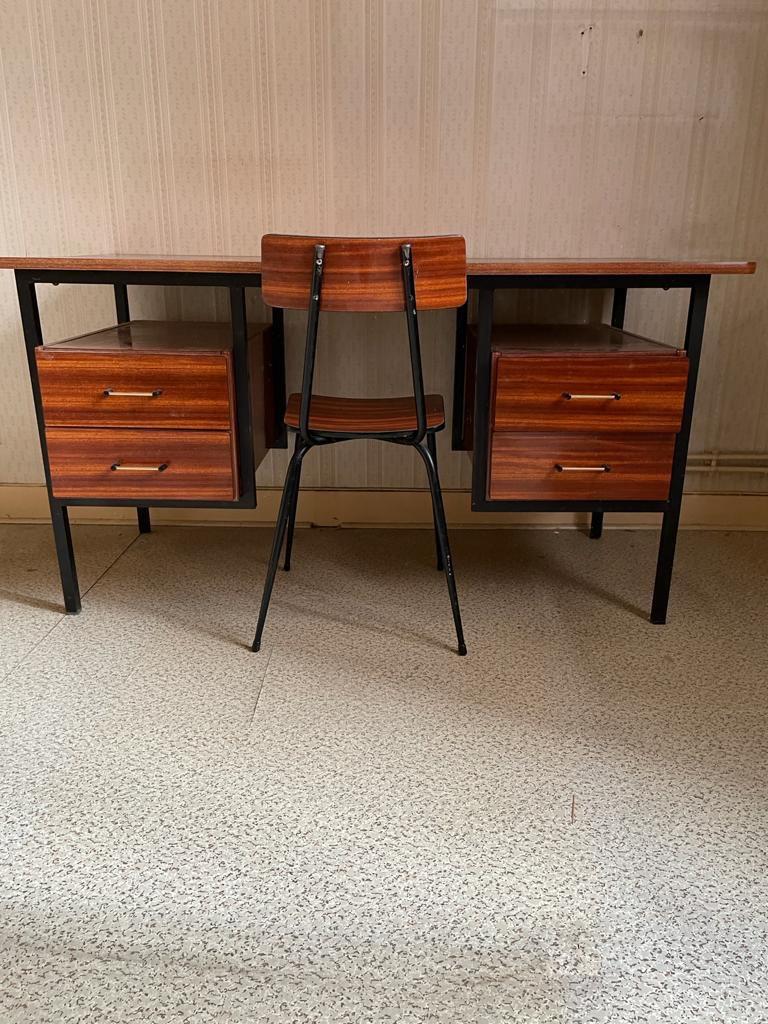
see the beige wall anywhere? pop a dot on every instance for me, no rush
(559, 128)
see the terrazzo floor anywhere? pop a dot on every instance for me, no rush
(356, 825)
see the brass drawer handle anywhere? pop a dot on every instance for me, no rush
(582, 469)
(139, 469)
(110, 393)
(613, 397)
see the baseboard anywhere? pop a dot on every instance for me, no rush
(347, 508)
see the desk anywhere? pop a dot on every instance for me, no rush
(478, 421)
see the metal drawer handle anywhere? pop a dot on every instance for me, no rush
(614, 396)
(139, 469)
(110, 393)
(582, 469)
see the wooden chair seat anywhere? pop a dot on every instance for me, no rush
(330, 415)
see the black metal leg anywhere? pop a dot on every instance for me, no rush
(33, 336)
(62, 537)
(482, 425)
(596, 529)
(697, 311)
(442, 538)
(142, 514)
(291, 476)
(278, 376)
(292, 505)
(432, 445)
(669, 526)
(619, 307)
(122, 309)
(242, 395)
(618, 311)
(459, 377)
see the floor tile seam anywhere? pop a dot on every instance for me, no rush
(62, 616)
(249, 731)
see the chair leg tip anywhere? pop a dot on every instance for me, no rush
(462, 649)
(256, 646)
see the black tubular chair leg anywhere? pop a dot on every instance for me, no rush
(442, 536)
(432, 445)
(294, 468)
(294, 501)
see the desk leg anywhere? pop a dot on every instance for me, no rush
(122, 308)
(697, 311)
(619, 307)
(242, 393)
(64, 552)
(617, 320)
(123, 313)
(482, 425)
(33, 336)
(458, 425)
(278, 376)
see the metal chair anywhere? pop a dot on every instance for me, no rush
(362, 275)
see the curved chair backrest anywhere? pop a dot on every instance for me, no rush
(363, 275)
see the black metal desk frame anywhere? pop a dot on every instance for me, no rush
(486, 285)
(26, 281)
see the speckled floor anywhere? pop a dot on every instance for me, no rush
(569, 825)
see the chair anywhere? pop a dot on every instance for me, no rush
(362, 275)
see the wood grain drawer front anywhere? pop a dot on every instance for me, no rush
(184, 464)
(531, 392)
(574, 467)
(132, 389)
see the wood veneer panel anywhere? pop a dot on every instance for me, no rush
(592, 339)
(168, 336)
(363, 274)
(484, 266)
(191, 390)
(530, 392)
(609, 267)
(523, 467)
(265, 422)
(199, 464)
(137, 262)
(364, 415)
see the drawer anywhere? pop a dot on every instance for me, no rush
(623, 393)
(577, 467)
(98, 464)
(136, 389)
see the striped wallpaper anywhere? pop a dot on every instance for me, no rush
(533, 127)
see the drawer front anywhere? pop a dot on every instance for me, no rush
(132, 389)
(577, 467)
(184, 464)
(590, 393)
